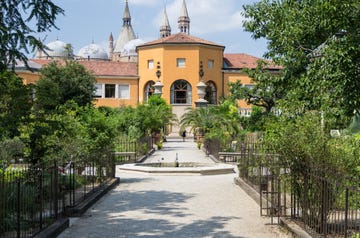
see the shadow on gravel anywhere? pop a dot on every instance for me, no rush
(157, 214)
(164, 229)
(149, 202)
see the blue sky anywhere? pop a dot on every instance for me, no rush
(219, 21)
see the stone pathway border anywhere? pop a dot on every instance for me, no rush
(174, 206)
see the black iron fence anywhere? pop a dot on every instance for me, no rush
(327, 206)
(324, 203)
(132, 151)
(32, 197)
(212, 147)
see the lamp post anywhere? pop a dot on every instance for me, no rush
(201, 86)
(158, 85)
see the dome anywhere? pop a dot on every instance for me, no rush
(130, 47)
(58, 49)
(93, 51)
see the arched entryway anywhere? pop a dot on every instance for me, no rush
(211, 93)
(180, 99)
(181, 92)
(148, 90)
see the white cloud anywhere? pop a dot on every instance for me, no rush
(206, 16)
(144, 2)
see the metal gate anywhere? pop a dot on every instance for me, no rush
(275, 188)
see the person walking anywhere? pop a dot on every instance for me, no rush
(184, 135)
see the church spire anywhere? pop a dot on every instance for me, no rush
(184, 20)
(111, 46)
(126, 17)
(126, 33)
(165, 29)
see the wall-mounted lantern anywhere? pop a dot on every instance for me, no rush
(158, 85)
(201, 87)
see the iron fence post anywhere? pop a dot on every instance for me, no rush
(136, 150)
(305, 204)
(324, 207)
(41, 192)
(18, 208)
(346, 211)
(55, 187)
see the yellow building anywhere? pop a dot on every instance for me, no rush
(185, 70)
(180, 58)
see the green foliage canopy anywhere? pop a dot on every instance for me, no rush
(14, 104)
(19, 21)
(304, 147)
(221, 121)
(59, 84)
(317, 42)
(267, 88)
(146, 118)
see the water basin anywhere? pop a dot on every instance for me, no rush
(180, 168)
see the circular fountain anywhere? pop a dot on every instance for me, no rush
(179, 157)
(180, 168)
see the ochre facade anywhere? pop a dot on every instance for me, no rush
(177, 61)
(166, 55)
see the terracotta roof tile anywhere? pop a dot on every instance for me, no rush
(240, 61)
(103, 68)
(180, 38)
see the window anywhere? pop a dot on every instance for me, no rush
(124, 91)
(183, 29)
(245, 112)
(249, 86)
(150, 64)
(211, 64)
(98, 90)
(180, 62)
(181, 92)
(110, 90)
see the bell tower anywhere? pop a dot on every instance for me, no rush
(184, 20)
(165, 29)
(126, 34)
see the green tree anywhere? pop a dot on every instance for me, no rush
(59, 84)
(214, 122)
(256, 121)
(68, 137)
(146, 118)
(10, 150)
(127, 123)
(17, 34)
(35, 133)
(14, 104)
(100, 131)
(317, 42)
(267, 88)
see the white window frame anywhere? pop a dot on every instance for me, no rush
(127, 93)
(249, 86)
(211, 64)
(99, 92)
(150, 64)
(245, 112)
(181, 62)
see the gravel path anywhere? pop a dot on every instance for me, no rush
(172, 206)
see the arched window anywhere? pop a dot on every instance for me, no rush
(149, 90)
(181, 92)
(211, 95)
